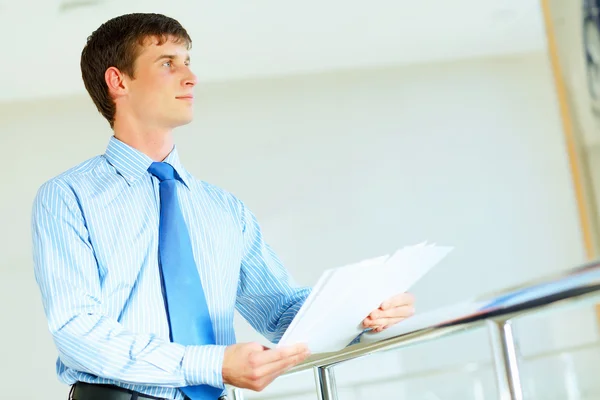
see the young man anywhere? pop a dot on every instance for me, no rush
(140, 265)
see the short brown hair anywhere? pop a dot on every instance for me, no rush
(117, 43)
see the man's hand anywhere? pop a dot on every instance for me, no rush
(391, 312)
(253, 366)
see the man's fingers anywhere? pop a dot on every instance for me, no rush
(261, 358)
(379, 317)
(395, 312)
(282, 362)
(384, 324)
(401, 299)
(395, 308)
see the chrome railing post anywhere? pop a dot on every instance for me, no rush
(506, 364)
(325, 382)
(237, 394)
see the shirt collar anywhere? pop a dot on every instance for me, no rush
(132, 164)
(173, 159)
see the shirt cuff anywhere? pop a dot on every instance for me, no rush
(203, 365)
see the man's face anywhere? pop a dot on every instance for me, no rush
(161, 94)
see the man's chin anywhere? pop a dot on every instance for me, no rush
(182, 121)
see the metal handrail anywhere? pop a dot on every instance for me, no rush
(495, 311)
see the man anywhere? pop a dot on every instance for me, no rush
(140, 265)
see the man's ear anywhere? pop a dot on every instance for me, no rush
(115, 80)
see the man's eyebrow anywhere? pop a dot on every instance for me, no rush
(170, 56)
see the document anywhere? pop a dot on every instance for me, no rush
(331, 316)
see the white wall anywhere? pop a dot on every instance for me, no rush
(340, 167)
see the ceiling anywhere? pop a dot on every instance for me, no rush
(246, 39)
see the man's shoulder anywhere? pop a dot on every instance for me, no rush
(61, 185)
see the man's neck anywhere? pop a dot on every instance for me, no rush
(155, 143)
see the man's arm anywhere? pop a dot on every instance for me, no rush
(269, 299)
(87, 339)
(267, 296)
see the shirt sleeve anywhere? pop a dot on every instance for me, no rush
(267, 297)
(87, 339)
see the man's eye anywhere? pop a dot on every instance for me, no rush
(167, 63)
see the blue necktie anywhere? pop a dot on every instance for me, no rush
(186, 306)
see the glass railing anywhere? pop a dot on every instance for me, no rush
(495, 312)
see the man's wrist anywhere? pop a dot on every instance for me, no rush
(203, 365)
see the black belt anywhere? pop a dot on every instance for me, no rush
(87, 391)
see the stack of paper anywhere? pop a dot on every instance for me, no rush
(331, 316)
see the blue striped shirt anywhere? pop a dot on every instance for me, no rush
(95, 244)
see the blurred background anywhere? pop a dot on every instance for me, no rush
(350, 128)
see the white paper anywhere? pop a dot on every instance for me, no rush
(311, 314)
(332, 315)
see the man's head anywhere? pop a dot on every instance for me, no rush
(137, 66)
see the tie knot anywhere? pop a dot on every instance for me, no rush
(162, 171)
